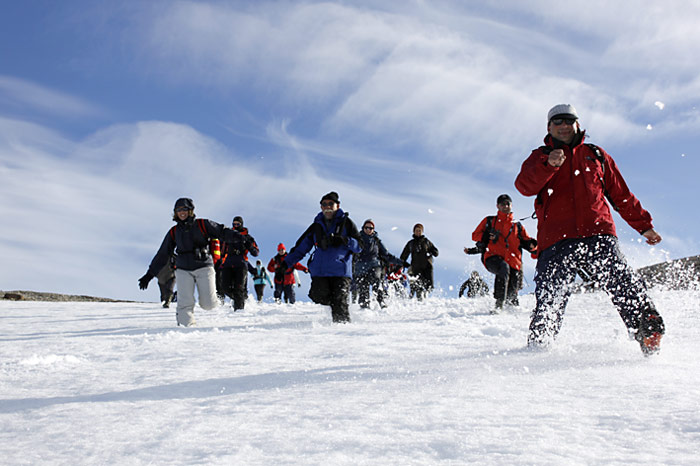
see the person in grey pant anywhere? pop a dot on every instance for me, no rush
(189, 239)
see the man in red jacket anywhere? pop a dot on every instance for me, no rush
(500, 240)
(574, 182)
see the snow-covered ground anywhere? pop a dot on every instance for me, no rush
(439, 382)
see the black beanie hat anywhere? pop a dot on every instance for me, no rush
(238, 219)
(503, 198)
(184, 202)
(331, 196)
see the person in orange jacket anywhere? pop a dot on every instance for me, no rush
(284, 276)
(500, 241)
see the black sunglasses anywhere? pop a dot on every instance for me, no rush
(327, 204)
(368, 228)
(561, 121)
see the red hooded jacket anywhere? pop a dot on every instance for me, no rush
(507, 243)
(570, 199)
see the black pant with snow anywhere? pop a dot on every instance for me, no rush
(333, 292)
(166, 283)
(234, 283)
(371, 278)
(259, 290)
(598, 259)
(507, 283)
(288, 291)
(422, 284)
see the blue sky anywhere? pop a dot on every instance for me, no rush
(413, 111)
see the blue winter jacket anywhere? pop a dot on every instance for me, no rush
(372, 254)
(260, 275)
(327, 260)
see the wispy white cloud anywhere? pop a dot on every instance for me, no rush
(459, 84)
(18, 93)
(96, 225)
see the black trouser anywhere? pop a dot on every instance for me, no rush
(423, 283)
(333, 292)
(166, 290)
(288, 290)
(259, 289)
(234, 283)
(371, 278)
(166, 283)
(507, 282)
(599, 259)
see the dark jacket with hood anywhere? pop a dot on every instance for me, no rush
(236, 246)
(189, 240)
(328, 259)
(422, 251)
(372, 254)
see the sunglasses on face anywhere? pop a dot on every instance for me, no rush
(236, 224)
(182, 209)
(561, 121)
(327, 204)
(368, 228)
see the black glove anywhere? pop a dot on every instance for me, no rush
(143, 281)
(530, 245)
(473, 251)
(338, 240)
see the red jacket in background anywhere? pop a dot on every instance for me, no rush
(288, 274)
(570, 199)
(507, 243)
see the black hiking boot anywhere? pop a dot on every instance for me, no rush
(650, 331)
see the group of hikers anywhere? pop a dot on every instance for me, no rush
(214, 258)
(574, 184)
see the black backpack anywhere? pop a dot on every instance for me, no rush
(485, 238)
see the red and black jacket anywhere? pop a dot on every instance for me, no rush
(571, 199)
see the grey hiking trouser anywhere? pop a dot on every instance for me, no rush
(205, 281)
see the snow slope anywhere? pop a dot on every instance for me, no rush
(440, 382)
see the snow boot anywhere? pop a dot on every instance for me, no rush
(650, 331)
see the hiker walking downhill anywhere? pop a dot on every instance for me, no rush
(189, 240)
(284, 276)
(370, 265)
(335, 239)
(500, 241)
(422, 251)
(474, 286)
(260, 278)
(234, 266)
(573, 182)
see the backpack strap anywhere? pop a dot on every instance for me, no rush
(487, 230)
(172, 232)
(601, 160)
(202, 228)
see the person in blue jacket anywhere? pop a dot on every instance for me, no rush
(260, 276)
(336, 239)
